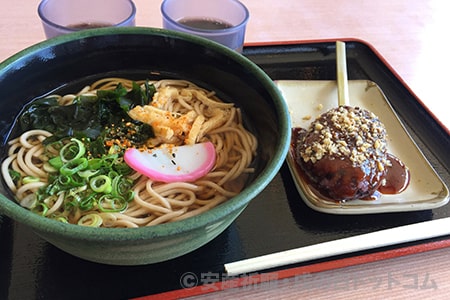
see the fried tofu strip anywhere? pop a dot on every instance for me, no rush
(166, 125)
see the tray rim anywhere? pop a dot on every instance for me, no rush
(290, 272)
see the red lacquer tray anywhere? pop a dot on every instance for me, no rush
(276, 220)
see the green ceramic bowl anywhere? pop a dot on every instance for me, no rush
(75, 59)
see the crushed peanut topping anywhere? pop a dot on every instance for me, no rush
(346, 132)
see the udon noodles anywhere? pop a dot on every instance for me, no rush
(206, 118)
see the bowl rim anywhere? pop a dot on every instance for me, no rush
(13, 210)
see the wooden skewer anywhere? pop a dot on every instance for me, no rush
(381, 238)
(341, 66)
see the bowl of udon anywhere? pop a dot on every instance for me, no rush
(131, 146)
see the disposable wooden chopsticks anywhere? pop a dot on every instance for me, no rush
(382, 238)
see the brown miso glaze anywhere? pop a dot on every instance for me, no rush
(397, 177)
(394, 179)
(343, 152)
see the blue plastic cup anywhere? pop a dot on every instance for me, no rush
(223, 21)
(65, 16)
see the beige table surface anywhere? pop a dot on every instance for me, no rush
(412, 35)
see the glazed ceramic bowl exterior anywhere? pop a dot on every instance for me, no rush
(70, 61)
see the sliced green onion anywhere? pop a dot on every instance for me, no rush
(71, 200)
(78, 181)
(95, 163)
(70, 203)
(109, 160)
(112, 204)
(72, 150)
(88, 183)
(129, 195)
(92, 220)
(122, 168)
(62, 219)
(49, 168)
(29, 179)
(122, 187)
(114, 149)
(87, 173)
(15, 176)
(40, 209)
(101, 184)
(88, 202)
(79, 189)
(74, 166)
(116, 186)
(65, 180)
(56, 162)
(51, 189)
(53, 148)
(113, 174)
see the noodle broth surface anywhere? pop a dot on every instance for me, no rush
(180, 113)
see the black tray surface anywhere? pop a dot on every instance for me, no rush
(276, 220)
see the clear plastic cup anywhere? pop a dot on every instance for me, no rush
(65, 16)
(223, 21)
